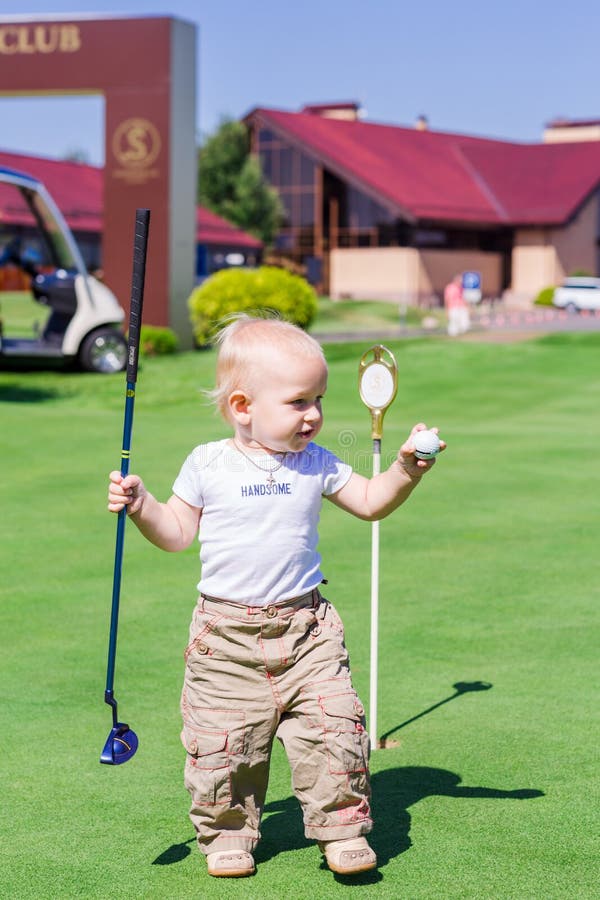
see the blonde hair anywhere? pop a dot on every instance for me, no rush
(242, 345)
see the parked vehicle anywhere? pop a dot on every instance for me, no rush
(83, 324)
(578, 292)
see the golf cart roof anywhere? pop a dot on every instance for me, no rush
(40, 211)
(12, 176)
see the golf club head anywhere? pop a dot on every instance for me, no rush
(120, 745)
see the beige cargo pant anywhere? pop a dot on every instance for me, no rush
(253, 674)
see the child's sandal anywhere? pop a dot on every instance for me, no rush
(348, 857)
(230, 863)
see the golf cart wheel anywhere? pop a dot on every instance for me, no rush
(104, 351)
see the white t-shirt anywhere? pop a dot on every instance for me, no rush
(258, 540)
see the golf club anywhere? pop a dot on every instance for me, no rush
(377, 384)
(122, 742)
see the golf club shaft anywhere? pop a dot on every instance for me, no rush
(374, 608)
(142, 221)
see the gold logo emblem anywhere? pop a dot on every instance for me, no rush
(136, 144)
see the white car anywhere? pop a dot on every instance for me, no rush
(578, 292)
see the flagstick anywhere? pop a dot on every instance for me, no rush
(374, 609)
(377, 384)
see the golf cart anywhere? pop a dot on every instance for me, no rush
(84, 316)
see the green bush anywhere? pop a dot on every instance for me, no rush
(267, 288)
(544, 298)
(157, 341)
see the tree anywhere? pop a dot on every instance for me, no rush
(231, 184)
(77, 155)
(255, 206)
(220, 161)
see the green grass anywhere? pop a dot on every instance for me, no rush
(489, 573)
(348, 316)
(20, 314)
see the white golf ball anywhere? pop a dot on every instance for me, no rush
(427, 444)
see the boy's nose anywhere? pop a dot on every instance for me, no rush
(313, 414)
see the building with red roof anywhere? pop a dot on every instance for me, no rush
(380, 211)
(394, 212)
(77, 189)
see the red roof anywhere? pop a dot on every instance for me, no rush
(538, 184)
(212, 229)
(77, 189)
(429, 175)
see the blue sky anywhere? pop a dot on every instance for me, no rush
(494, 69)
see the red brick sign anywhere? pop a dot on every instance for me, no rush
(145, 69)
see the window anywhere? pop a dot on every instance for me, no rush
(307, 208)
(363, 212)
(287, 200)
(307, 171)
(265, 136)
(286, 167)
(266, 164)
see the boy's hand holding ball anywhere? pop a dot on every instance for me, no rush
(427, 444)
(418, 453)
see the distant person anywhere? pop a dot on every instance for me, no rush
(457, 308)
(266, 655)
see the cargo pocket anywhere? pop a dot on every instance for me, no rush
(207, 767)
(332, 619)
(344, 733)
(202, 627)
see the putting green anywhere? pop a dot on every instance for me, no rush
(489, 574)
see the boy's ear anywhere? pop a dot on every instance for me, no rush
(239, 407)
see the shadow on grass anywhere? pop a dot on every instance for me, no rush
(461, 687)
(17, 393)
(175, 853)
(394, 792)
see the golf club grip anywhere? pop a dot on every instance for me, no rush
(140, 247)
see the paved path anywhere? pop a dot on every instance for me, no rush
(540, 319)
(500, 324)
